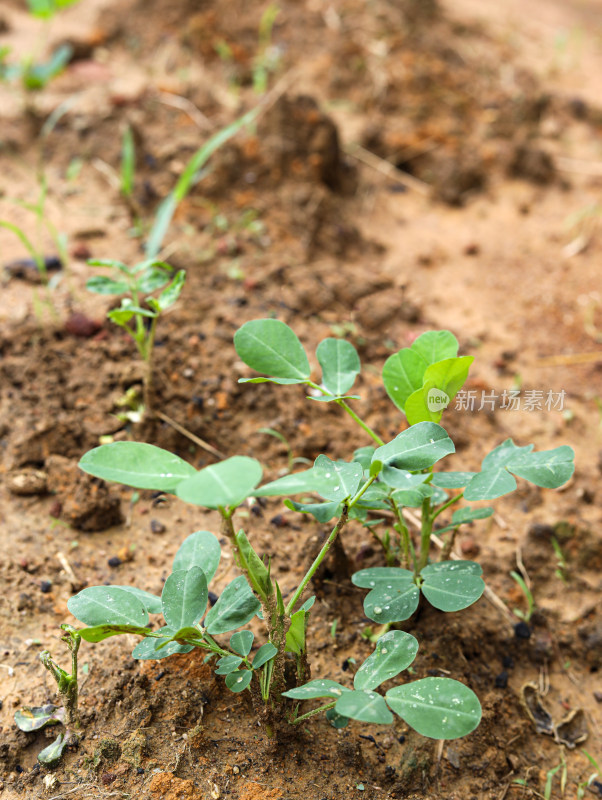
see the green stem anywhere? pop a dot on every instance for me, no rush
(314, 712)
(425, 535)
(447, 505)
(374, 436)
(401, 527)
(318, 560)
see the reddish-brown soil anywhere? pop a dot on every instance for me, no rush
(474, 205)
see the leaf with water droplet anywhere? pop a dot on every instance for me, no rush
(440, 708)
(394, 652)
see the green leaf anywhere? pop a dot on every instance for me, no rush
(452, 480)
(413, 497)
(340, 365)
(151, 602)
(32, 718)
(266, 652)
(316, 689)
(323, 512)
(184, 598)
(242, 642)
(460, 565)
(137, 464)
(37, 76)
(239, 680)
(271, 347)
(107, 605)
(330, 398)
(393, 597)
(489, 484)
(337, 480)
(279, 381)
(190, 177)
(228, 664)
(394, 652)
(418, 447)
(302, 482)
(365, 707)
(259, 574)
(451, 588)
(99, 284)
(52, 754)
(187, 634)
(401, 478)
(439, 708)
(440, 384)
(200, 549)
(225, 484)
(147, 648)
(503, 454)
(404, 371)
(550, 468)
(464, 515)
(236, 606)
(363, 455)
(336, 720)
(100, 632)
(153, 277)
(169, 295)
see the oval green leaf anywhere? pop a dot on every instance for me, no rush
(271, 347)
(228, 664)
(451, 589)
(394, 596)
(137, 464)
(418, 447)
(393, 653)
(364, 707)
(340, 365)
(489, 484)
(317, 689)
(146, 650)
(238, 681)
(266, 652)
(200, 549)
(101, 632)
(51, 754)
(337, 480)
(151, 602)
(549, 469)
(184, 598)
(32, 718)
(242, 642)
(236, 606)
(227, 483)
(439, 708)
(108, 605)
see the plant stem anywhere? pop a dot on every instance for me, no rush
(404, 533)
(425, 535)
(318, 560)
(449, 503)
(374, 436)
(314, 712)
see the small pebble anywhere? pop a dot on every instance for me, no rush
(213, 598)
(235, 769)
(598, 697)
(140, 770)
(507, 662)
(157, 527)
(501, 680)
(45, 587)
(114, 561)
(522, 630)
(82, 326)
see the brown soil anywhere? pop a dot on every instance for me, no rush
(477, 211)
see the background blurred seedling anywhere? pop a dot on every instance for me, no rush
(139, 321)
(561, 570)
(291, 459)
(525, 616)
(267, 59)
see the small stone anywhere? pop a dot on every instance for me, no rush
(114, 561)
(235, 769)
(501, 680)
(45, 587)
(469, 547)
(598, 697)
(522, 630)
(82, 326)
(507, 662)
(157, 527)
(213, 598)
